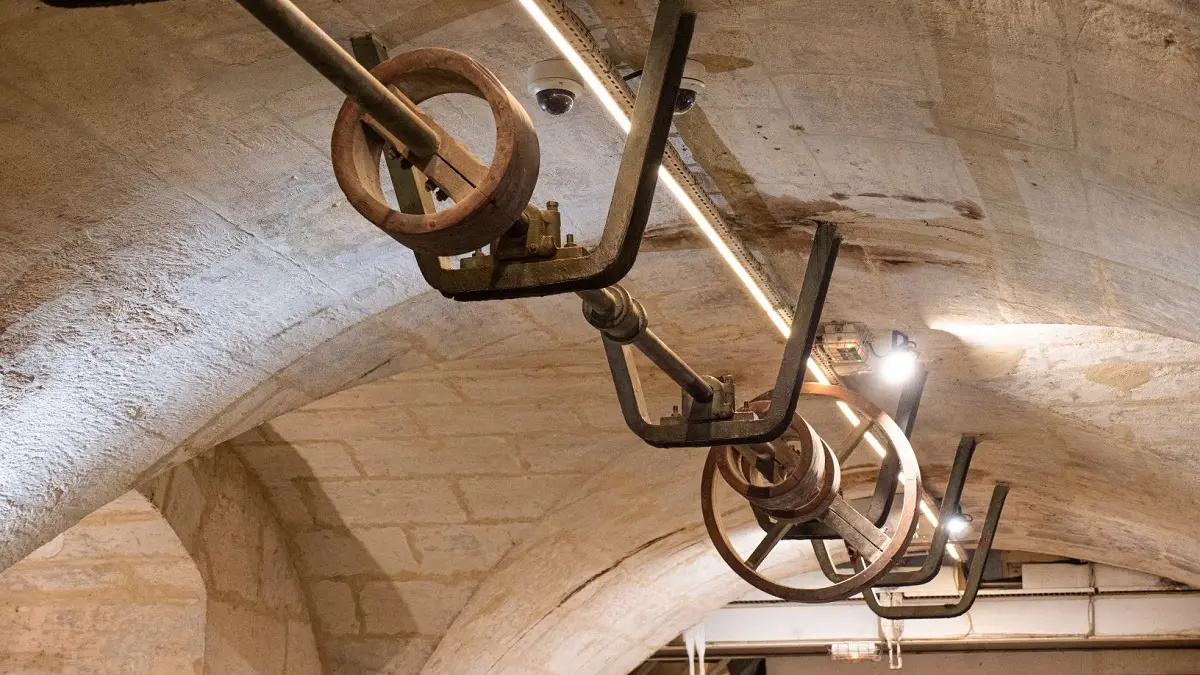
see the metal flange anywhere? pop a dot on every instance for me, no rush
(488, 200)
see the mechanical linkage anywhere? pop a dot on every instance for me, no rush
(764, 450)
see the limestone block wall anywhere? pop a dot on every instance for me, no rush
(399, 497)
(117, 594)
(258, 621)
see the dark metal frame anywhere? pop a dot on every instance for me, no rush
(637, 177)
(715, 422)
(528, 260)
(937, 547)
(951, 506)
(708, 417)
(885, 482)
(974, 576)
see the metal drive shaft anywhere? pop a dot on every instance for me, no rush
(625, 322)
(307, 39)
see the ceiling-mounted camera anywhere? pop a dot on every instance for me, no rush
(555, 85)
(691, 86)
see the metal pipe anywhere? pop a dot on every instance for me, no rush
(314, 45)
(602, 300)
(620, 318)
(676, 368)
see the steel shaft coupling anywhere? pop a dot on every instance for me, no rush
(615, 313)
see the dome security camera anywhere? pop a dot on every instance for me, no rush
(555, 85)
(690, 86)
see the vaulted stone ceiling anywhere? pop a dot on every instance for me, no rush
(178, 266)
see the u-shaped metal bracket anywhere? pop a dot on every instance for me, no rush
(633, 193)
(738, 429)
(937, 547)
(974, 576)
(933, 562)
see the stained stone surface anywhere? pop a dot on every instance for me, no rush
(1015, 182)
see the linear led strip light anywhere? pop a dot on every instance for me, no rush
(596, 86)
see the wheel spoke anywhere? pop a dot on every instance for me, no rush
(768, 544)
(851, 442)
(858, 532)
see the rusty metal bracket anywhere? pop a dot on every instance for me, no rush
(885, 482)
(906, 416)
(974, 576)
(689, 429)
(950, 506)
(490, 206)
(571, 268)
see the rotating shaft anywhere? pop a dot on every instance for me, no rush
(314, 45)
(621, 319)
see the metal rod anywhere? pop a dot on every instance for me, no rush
(620, 321)
(675, 367)
(314, 45)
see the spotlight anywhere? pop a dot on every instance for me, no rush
(957, 525)
(900, 363)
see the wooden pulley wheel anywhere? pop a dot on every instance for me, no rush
(802, 481)
(488, 200)
(882, 550)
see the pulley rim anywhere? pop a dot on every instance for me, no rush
(890, 555)
(492, 207)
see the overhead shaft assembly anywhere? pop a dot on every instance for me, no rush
(802, 484)
(764, 450)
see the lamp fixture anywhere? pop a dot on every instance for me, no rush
(958, 525)
(900, 363)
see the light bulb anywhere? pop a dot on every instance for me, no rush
(899, 365)
(957, 525)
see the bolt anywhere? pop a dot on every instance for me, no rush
(570, 240)
(551, 205)
(441, 195)
(430, 185)
(478, 253)
(674, 410)
(405, 164)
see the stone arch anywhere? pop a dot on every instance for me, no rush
(404, 458)
(154, 298)
(617, 571)
(116, 593)
(257, 619)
